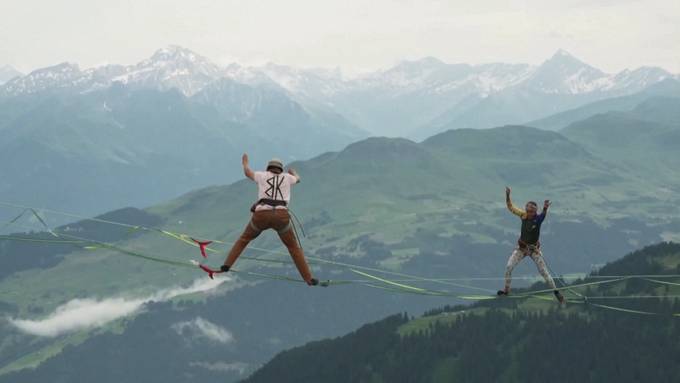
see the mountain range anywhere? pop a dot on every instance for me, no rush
(412, 99)
(94, 140)
(177, 121)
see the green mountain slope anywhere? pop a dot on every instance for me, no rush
(432, 209)
(121, 146)
(644, 139)
(529, 341)
(666, 88)
(46, 254)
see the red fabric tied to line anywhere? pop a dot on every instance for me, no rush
(202, 245)
(210, 271)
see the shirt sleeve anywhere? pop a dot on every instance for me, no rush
(259, 176)
(541, 217)
(516, 211)
(291, 178)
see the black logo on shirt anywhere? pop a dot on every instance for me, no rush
(274, 191)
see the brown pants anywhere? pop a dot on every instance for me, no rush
(279, 220)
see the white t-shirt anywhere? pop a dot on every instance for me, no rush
(274, 186)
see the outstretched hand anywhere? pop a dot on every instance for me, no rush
(244, 159)
(507, 190)
(546, 204)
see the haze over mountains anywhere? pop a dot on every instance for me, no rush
(405, 100)
(94, 140)
(177, 121)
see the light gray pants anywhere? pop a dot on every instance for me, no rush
(536, 256)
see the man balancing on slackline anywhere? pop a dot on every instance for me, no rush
(528, 243)
(271, 212)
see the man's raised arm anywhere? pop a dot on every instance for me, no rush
(246, 168)
(546, 205)
(511, 207)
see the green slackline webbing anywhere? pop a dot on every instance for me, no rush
(395, 284)
(392, 282)
(23, 239)
(661, 282)
(389, 282)
(622, 309)
(392, 285)
(95, 245)
(187, 240)
(103, 245)
(573, 286)
(632, 297)
(13, 220)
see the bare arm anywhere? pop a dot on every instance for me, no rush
(246, 167)
(514, 210)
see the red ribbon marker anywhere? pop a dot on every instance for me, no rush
(210, 271)
(202, 245)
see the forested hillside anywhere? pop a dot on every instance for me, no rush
(521, 340)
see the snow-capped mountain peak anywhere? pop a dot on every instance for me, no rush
(7, 72)
(57, 71)
(172, 67)
(565, 74)
(58, 76)
(639, 78)
(185, 70)
(566, 61)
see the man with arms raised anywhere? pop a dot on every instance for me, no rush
(528, 243)
(271, 212)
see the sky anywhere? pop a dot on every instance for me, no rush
(356, 36)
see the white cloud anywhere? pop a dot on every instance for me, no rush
(202, 328)
(80, 314)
